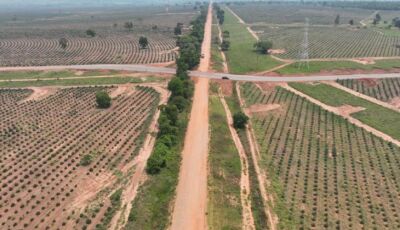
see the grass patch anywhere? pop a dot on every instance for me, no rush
(376, 116)
(241, 56)
(216, 57)
(318, 66)
(80, 81)
(224, 205)
(10, 75)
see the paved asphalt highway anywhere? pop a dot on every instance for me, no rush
(210, 75)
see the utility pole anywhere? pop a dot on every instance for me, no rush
(303, 54)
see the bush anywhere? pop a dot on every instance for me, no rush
(157, 160)
(240, 120)
(86, 160)
(103, 100)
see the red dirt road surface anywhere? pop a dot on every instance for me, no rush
(191, 199)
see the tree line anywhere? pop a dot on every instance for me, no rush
(172, 124)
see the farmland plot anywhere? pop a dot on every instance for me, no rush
(296, 13)
(329, 173)
(331, 42)
(59, 151)
(387, 90)
(33, 39)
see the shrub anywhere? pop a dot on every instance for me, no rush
(240, 120)
(86, 160)
(103, 100)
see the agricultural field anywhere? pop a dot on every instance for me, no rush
(241, 56)
(33, 39)
(292, 13)
(62, 157)
(328, 173)
(331, 42)
(383, 119)
(284, 25)
(387, 90)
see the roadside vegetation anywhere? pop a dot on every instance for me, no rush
(224, 205)
(319, 66)
(376, 116)
(152, 206)
(241, 56)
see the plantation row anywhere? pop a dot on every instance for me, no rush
(330, 173)
(382, 89)
(332, 42)
(59, 148)
(110, 50)
(296, 13)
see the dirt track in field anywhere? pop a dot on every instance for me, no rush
(261, 175)
(129, 194)
(247, 214)
(191, 199)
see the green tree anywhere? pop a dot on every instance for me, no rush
(157, 160)
(90, 33)
(178, 29)
(143, 42)
(176, 87)
(128, 25)
(225, 45)
(337, 19)
(63, 42)
(240, 120)
(103, 100)
(86, 160)
(263, 46)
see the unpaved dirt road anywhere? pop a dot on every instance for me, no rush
(247, 214)
(191, 198)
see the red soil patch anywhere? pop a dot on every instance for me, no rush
(226, 87)
(268, 86)
(346, 110)
(364, 61)
(277, 51)
(260, 108)
(369, 82)
(395, 102)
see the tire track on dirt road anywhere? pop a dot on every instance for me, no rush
(191, 197)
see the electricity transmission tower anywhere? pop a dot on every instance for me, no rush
(303, 53)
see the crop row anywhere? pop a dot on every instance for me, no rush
(382, 89)
(110, 50)
(332, 174)
(331, 42)
(43, 143)
(296, 13)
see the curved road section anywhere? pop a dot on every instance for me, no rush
(191, 198)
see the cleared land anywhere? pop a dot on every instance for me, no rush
(33, 39)
(59, 166)
(376, 116)
(326, 172)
